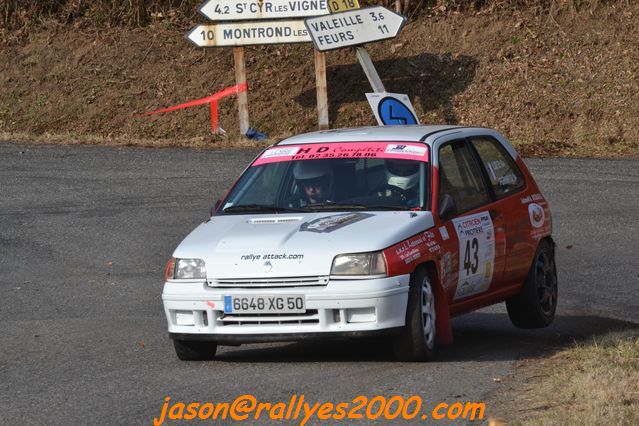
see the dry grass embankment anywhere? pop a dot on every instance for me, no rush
(591, 383)
(558, 77)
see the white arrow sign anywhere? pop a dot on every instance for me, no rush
(229, 10)
(354, 27)
(249, 33)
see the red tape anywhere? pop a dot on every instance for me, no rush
(238, 88)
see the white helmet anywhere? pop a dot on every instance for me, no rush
(403, 174)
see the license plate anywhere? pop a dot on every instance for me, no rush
(283, 304)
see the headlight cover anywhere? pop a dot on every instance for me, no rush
(187, 269)
(359, 264)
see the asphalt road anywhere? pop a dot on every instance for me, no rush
(84, 236)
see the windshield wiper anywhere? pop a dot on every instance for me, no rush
(259, 208)
(386, 207)
(330, 205)
(337, 206)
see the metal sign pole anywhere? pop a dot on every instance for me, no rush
(370, 71)
(242, 97)
(322, 89)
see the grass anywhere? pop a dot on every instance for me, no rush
(590, 383)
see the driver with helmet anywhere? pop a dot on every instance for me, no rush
(402, 181)
(314, 180)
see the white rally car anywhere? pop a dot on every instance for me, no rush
(347, 233)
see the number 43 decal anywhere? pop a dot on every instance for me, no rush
(471, 266)
(476, 253)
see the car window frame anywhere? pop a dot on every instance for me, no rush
(483, 176)
(512, 162)
(426, 191)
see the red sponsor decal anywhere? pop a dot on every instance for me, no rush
(403, 257)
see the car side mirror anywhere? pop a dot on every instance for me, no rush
(215, 207)
(447, 208)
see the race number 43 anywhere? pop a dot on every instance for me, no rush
(476, 253)
(471, 265)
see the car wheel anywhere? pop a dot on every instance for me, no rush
(535, 306)
(187, 350)
(416, 342)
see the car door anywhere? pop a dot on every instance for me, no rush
(475, 230)
(507, 183)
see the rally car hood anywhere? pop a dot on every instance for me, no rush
(294, 245)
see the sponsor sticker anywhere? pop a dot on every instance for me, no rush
(537, 215)
(507, 180)
(414, 248)
(281, 152)
(406, 150)
(476, 253)
(444, 233)
(271, 256)
(531, 198)
(332, 223)
(446, 266)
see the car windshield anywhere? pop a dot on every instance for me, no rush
(348, 183)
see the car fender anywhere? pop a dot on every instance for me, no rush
(423, 251)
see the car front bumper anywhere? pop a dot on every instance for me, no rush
(340, 309)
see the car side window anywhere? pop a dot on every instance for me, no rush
(460, 177)
(505, 177)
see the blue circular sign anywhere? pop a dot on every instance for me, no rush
(393, 111)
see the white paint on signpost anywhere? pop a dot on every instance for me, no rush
(353, 27)
(237, 10)
(249, 33)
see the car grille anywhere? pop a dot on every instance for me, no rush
(311, 316)
(269, 282)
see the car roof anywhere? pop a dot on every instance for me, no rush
(410, 133)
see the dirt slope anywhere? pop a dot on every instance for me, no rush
(556, 82)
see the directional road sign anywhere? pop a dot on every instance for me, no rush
(342, 5)
(238, 10)
(392, 108)
(249, 33)
(353, 27)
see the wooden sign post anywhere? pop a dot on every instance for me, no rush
(238, 24)
(322, 89)
(242, 98)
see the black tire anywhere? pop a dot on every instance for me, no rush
(535, 306)
(187, 350)
(416, 341)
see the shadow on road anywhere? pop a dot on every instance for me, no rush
(478, 337)
(432, 79)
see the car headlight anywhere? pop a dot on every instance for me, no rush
(359, 264)
(180, 269)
